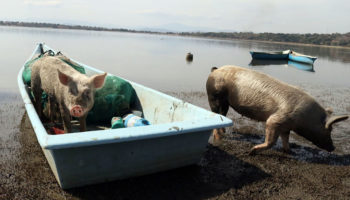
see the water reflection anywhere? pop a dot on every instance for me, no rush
(301, 66)
(158, 61)
(260, 62)
(334, 54)
(297, 65)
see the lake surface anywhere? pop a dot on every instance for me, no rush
(158, 61)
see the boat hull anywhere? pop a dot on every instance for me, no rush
(282, 55)
(177, 137)
(76, 167)
(301, 58)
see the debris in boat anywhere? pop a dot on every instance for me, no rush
(57, 131)
(132, 120)
(117, 122)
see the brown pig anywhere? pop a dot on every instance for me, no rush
(71, 90)
(283, 107)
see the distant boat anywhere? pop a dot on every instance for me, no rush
(277, 55)
(298, 65)
(298, 57)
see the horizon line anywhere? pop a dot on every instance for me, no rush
(101, 28)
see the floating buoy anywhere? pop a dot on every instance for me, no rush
(189, 57)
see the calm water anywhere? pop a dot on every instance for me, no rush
(158, 61)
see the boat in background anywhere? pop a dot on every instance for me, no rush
(298, 65)
(279, 55)
(298, 57)
(178, 136)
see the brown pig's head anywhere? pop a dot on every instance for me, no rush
(79, 98)
(322, 138)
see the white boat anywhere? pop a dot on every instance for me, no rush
(177, 137)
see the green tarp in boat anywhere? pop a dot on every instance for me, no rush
(113, 99)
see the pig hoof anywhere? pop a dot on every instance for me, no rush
(287, 151)
(252, 152)
(215, 142)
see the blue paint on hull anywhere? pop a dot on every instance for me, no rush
(302, 58)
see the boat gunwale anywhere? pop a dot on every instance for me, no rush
(296, 54)
(91, 138)
(285, 52)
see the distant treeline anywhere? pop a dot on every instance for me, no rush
(334, 39)
(63, 26)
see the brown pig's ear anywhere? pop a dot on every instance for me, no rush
(335, 119)
(64, 78)
(99, 80)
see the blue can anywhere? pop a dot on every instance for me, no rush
(132, 120)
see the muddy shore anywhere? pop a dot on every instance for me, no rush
(225, 171)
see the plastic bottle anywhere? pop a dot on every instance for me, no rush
(132, 120)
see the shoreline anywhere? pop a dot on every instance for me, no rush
(263, 41)
(121, 30)
(225, 171)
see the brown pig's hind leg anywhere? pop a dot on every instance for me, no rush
(285, 141)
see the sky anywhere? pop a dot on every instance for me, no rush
(277, 16)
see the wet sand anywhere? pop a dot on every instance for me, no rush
(225, 171)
